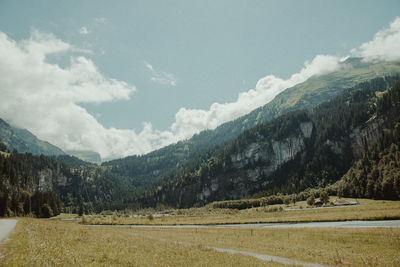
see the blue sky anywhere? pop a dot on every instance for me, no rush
(190, 54)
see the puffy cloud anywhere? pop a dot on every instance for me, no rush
(161, 77)
(44, 98)
(384, 46)
(191, 121)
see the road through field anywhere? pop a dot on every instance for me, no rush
(6, 227)
(334, 224)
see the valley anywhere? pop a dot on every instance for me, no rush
(311, 187)
(199, 133)
(60, 240)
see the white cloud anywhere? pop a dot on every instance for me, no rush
(83, 31)
(191, 121)
(161, 77)
(384, 46)
(44, 98)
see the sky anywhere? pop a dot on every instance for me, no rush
(127, 77)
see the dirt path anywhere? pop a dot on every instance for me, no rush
(264, 257)
(6, 227)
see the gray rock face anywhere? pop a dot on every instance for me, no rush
(306, 128)
(286, 150)
(366, 134)
(47, 179)
(255, 163)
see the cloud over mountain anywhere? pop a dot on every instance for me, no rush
(44, 96)
(384, 46)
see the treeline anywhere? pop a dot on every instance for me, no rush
(254, 202)
(19, 191)
(328, 154)
(44, 186)
(377, 173)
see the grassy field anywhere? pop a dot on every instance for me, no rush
(343, 247)
(43, 242)
(65, 240)
(366, 210)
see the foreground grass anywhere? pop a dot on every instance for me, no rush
(47, 243)
(343, 247)
(38, 242)
(366, 210)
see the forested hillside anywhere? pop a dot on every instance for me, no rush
(355, 134)
(299, 150)
(23, 189)
(377, 173)
(146, 170)
(44, 186)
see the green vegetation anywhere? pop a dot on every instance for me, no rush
(328, 153)
(201, 170)
(377, 173)
(300, 212)
(151, 170)
(20, 193)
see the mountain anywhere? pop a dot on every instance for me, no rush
(376, 174)
(298, 150)
(24, 141)
(355, 135)
(146, 170)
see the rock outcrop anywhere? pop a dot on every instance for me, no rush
(253, 164)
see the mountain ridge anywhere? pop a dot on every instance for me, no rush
(24, 141)
(144, 170)
(299, 150)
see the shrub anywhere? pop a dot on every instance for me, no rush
(311, 200)
(324, 197)
(46, 211)
(286, 200)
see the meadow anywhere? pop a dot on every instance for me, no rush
(44, 242)
(68, 239)
(367, 209)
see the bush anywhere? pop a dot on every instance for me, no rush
(286, 200)
(46, 211)
(311, 200)
(324, 197)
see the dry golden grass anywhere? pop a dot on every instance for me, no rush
(353, 247)
(367, 210)
(38, 242)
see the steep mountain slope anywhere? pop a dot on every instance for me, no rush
(299, 150)
(377, 172)
(24, 141)
(144, 170)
